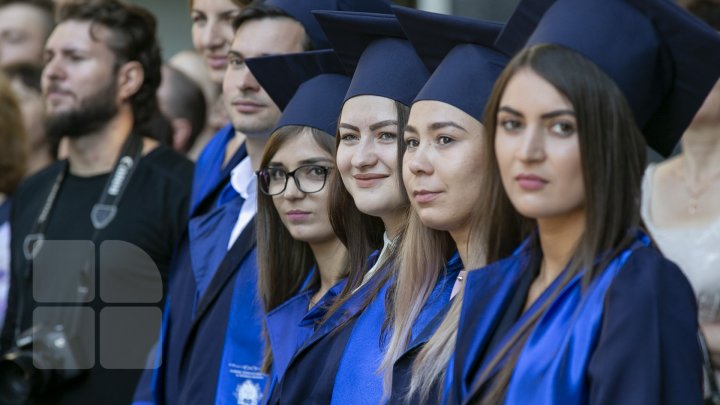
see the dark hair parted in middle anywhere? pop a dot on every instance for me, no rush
(132, 38)
(612, 153)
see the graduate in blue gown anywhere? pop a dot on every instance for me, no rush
(297, 284)
(339, 363)
(442, 173)
(586, 310)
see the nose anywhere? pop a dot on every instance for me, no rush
(52, 71)
(242, 79)
(418, 161)
(212, 35)
(292, 192)
(365, 155)
(532, 148)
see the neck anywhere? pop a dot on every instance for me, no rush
(255, 146)
(394, 223)
(559, 237)
(233, 146)
(96, 153)
(330, 258)
(3, 197)
(461, 238)
(701, 148)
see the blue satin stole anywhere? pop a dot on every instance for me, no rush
(358, 380)
(239, 376)
(291, 324)
(552, 366)
(209, 169)
(209, 228)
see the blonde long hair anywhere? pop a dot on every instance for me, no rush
(422, 258)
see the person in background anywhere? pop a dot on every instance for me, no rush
(183, 103)
(212, 34)
(442, 172)
(25, 82)
(681, 202)
(193, 66)
(299, 284)
(586, 310)
(13, 154)
(24, 27)
(118, 191)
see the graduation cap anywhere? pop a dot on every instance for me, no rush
(663, 59)
(301, 11)
(375, 51)
(308, 87)
(460, 53)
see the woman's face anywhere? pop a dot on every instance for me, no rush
(367, 155)
(442, 164)
(305, 215)
(212, 33)
(538, 150)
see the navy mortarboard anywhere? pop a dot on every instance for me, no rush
(308, 87)
(374, 49)
(663, 59)
(301, 11)
(460, 53)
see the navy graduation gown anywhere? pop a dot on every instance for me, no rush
(210, 175)
(310, 375)
(402, 369)
(359, 369)
(629, 338)
(291, 324)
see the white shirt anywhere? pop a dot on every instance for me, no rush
(244, 181)
(694, 249)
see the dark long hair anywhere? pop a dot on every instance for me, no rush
(280, 276)
(361, 233)
(612, 152)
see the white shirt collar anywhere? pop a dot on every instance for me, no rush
(243, 179)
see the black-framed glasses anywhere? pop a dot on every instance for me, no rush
(308, 179)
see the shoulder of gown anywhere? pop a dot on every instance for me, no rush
(647, 350)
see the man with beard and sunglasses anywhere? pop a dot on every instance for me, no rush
(93, 235)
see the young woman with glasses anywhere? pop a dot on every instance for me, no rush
(300, 258)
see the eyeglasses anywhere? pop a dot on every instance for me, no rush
(308, 179)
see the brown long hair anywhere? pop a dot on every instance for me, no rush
(612, 152)
(361, 233)
(13, 147)
(280, 276)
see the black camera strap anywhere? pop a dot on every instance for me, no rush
(102, 214)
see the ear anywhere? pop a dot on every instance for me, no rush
(130, 78)
(181, 134)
